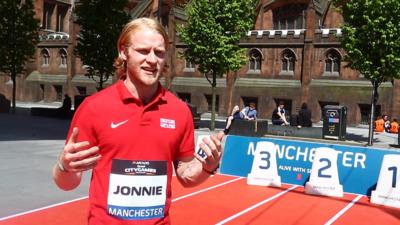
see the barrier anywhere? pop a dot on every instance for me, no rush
(256, 128)
(324, 179)
(264, 170)
(388, 188)
(307, 132)
(358, 167)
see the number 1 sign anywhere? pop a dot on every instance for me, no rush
(388, 188)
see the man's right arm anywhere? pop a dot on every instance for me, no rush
(75, 158)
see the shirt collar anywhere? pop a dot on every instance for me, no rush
(127, 97)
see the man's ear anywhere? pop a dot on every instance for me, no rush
(123, 53)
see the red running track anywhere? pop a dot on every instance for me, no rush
(229, 200)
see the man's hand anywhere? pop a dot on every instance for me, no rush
(213, 149)
(76, 156)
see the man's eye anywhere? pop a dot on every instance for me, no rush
(160, 54)
(143, 51)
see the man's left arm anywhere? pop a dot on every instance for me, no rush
(193, 170)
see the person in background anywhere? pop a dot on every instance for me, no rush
(249, 112)
(235, 114)
(379, 125)
(304, 117)
(394, 126)
(386, 123)
(133, 135)
(278, 115)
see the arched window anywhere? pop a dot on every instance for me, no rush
(332, 63)
(288, 62)
(189, 66)
(45, 57)
(255, 58)
(63, 58)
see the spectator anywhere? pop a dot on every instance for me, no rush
(278, 115)
(235, 114)
(386, 123)
(304, 117)
(379, 124)
(394, 126)
(249, 112)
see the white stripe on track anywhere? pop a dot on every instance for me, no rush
(74, 200)
(343, 211)
(256, 205)
(43, 208)
(205, 189)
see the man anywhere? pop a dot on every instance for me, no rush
(249, 112)
(278, 115)
(131, 133)
(379, 125)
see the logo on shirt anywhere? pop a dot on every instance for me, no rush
(167, 123)
(115, 125)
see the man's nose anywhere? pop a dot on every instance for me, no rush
(151, 57)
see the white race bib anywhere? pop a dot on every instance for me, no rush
(137, 189)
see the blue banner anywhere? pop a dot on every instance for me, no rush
(358, 166)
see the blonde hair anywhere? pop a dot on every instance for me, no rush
(130, 28)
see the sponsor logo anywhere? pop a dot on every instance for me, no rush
(115, 125)
(167, 123)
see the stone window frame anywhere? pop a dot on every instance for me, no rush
(44, 57)
(189, 66)
(288, 62)
(255, 61)
(63, 58)
(332, 57)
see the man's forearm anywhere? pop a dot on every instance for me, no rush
(66, 180)
(191, 173)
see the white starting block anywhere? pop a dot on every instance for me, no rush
(388, 188)
(264, 171)
(324, 178)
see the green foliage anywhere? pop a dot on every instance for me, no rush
(101, 22)
(18, 36)
(212, 32)
(371, 37)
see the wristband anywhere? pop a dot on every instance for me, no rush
(211, 172)
(61, 167)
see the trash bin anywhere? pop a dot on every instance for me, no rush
(334, 122)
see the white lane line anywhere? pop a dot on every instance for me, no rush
(78, 199)
(206, 189)
(43, 208)
(343, 211)
(256, 205)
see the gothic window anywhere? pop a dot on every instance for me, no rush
(63, 58)
(209, 102)
(189, 66)
(288, 62)
(255, 58)
(332, 63)
(289, 17)
(45, 58)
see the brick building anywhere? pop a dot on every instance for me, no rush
(294, 56)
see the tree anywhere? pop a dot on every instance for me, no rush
(371, 41)
(211, 35)
(18, 38)
(100, 24)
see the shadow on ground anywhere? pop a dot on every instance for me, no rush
(22, 126)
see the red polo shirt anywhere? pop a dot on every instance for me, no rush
(138, 144)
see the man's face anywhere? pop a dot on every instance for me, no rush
(281, 106)
(145, 57)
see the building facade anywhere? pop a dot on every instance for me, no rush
(294, 55)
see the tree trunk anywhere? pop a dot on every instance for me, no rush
(14, 90)
(374, 100)
(213, 101)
